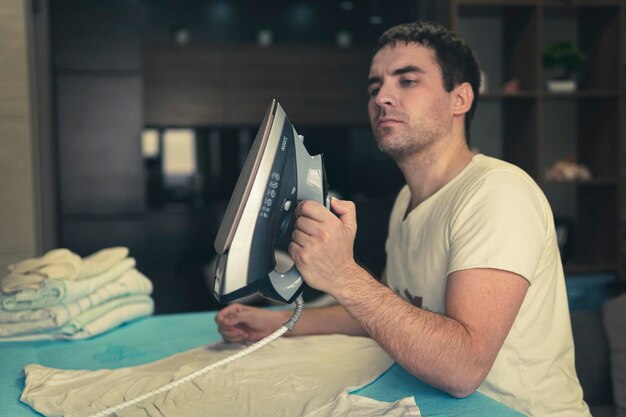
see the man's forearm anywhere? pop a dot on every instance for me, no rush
(326, 320)
(432, 347)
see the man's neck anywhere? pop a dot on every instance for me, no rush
(430, 170)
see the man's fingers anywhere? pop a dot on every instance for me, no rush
(230, 315)
(228, 310)
(241, 323)
(300, 237)
(235, 335)
(294, 251)
(307, 225)
(345, 210)
(311, 209)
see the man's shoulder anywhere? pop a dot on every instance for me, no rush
(486, 169)
(506, 187)
(489, 164)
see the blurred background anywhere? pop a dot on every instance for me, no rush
(126, 122)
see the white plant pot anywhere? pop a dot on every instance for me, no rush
(561, 86)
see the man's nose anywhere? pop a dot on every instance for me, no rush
(385, 97)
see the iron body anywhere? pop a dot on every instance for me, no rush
(277, 174)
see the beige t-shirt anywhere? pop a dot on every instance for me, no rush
(301, 376)
(493, 215)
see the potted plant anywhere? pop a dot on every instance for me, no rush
(564, 63)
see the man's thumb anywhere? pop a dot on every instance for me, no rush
(345, 210)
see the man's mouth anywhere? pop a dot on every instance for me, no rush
(386, 121)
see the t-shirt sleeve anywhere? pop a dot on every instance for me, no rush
(502, 225)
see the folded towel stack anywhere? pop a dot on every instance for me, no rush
(61, 296)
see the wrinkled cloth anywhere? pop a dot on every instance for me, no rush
(95, 321)
(60, 264)
(100, 261)
(132, 282)
(59, 291)
(115, 305)
(30, 273)
(303, 376)
(357, 406)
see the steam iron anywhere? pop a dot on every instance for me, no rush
(278, 173)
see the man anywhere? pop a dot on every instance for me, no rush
(476, 295)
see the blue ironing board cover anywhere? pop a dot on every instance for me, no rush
(155, 337)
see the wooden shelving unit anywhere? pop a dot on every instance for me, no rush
(537, 127)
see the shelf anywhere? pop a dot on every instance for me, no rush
(491, 3)
(535, 127)
(599, 182)
(543, 3)
(489, 95)
(580, 3)
(582, 94)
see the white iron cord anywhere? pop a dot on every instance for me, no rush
(288, 326)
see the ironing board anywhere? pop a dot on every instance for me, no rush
(152, 338)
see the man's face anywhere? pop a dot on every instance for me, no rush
(408, 107)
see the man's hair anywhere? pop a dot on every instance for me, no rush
(454, 56)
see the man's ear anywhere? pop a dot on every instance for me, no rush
(463, 97)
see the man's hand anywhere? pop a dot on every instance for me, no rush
(240, 324)
(322, 245)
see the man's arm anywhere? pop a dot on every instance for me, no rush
(327, 320)
(241, 323)
(452, 352)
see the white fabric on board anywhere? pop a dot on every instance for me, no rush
(303, 376)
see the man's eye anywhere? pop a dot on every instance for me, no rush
(373, 92)
(408, 83)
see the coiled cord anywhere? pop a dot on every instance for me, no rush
(288, 326)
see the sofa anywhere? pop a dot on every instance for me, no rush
(600, 344)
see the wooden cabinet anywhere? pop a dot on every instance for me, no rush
(536, 127)
(220, 85)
